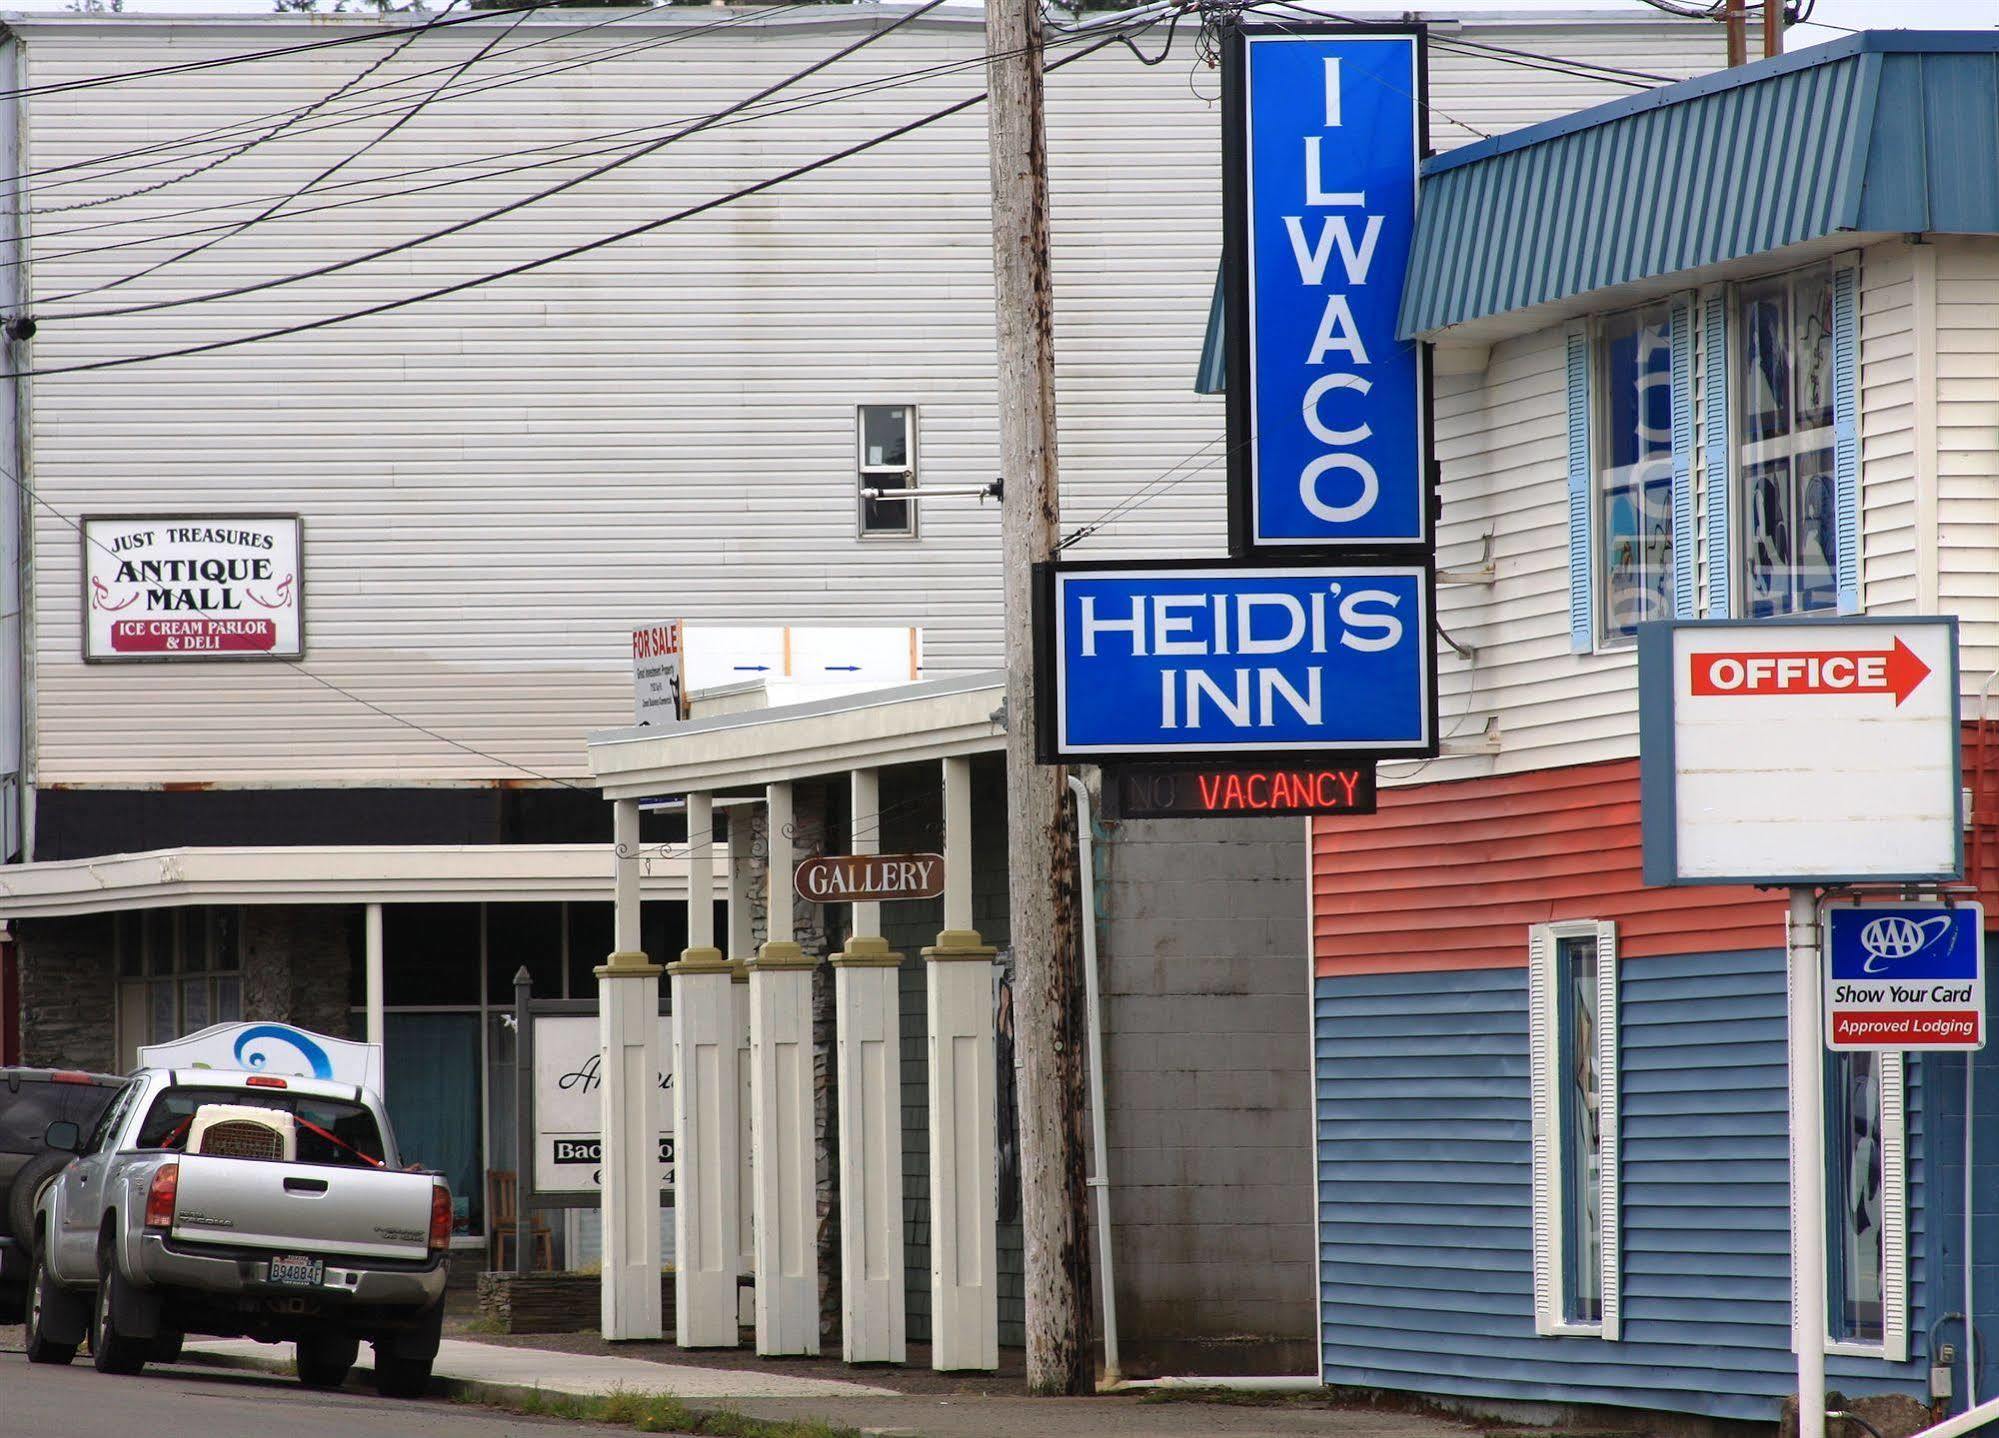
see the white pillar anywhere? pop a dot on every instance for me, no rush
(742, 948)
(628, 1026)
(964, 1242)
(375, 983)
(705, 1211)
(781, 1053)
(869, 1063)
(1808, 1253)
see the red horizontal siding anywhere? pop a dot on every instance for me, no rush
(1449, 876)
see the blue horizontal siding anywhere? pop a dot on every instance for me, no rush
(1424, 1168)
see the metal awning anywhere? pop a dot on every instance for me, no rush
(334, 874)
(1882, 133)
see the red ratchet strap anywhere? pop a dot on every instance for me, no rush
(337, 1141)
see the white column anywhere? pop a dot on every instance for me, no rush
(375, 986)
(964, 1243)
(742, 948)
(705, 1211)
(869, 1064)
(628, 1025)
(786, 1218)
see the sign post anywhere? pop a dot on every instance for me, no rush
(1799, 753)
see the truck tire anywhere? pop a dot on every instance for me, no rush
(112, 1350)
(400, 1377)
(34, 1176)
(324, 1358)
(166, 1348)
(45, 1298)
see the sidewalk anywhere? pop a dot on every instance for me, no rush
(921, 1405)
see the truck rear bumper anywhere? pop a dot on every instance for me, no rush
(244, 1276)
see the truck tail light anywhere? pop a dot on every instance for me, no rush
(160, 1196)
(265, 1081)
(440, 1218)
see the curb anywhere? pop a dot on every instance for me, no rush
(361, 1380)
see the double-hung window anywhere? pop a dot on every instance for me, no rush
(1572, 1036)
(1787, 498)
(886, 435)
(1866, 1205)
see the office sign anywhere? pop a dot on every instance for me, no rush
(1323, 132)
(1211, 791)
(1233, 662)
(869, 878)
(568, 1104)
(1905, 976)
(218, 586)
(658, 693)
(1799, 751)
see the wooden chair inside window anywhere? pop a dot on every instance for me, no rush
(503, 1191)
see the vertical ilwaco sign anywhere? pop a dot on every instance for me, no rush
(192, 587)
(1199, 659)
(1323, 131)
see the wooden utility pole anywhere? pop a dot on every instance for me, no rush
(1735, 19)
(1048, 1000)
(1773, 28)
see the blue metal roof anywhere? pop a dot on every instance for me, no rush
(1882, 132)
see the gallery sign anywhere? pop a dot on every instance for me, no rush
(568, 1130)
(1323, 133)
(217, 586)
(1200, 659)
(1799, 751)
(869, 878)
(1905, 976)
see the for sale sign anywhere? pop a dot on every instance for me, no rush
(1911, 976)
(192, 587)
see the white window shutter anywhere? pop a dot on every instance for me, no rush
(1715, 454)
(1894, 1211)
(1582, 554)
(1681, 331)
(1542, 1040)
(1846, 431)
(1608, 1106)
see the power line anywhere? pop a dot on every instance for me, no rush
(230, 133)
(324, 174)
(548, 192)
(756, 114)
(629, 232)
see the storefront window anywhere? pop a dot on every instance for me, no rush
(1634, 469)
(179, 971)
(1789, 528)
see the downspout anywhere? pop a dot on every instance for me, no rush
(1086, 858)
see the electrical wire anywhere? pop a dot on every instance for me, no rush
(525, 266)
(1153, 489)
(547, 192)
(808, 100)
(325, 174)
(358, 115)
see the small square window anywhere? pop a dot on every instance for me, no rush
(886, 438)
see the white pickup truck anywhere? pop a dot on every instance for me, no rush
(241, 1205)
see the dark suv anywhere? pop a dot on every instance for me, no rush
(31, 1100)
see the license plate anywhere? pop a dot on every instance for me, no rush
(298, 1272)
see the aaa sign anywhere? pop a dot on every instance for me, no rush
(869, 878)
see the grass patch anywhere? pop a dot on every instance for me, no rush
(663, 1413)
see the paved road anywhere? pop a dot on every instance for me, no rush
(79, 1402)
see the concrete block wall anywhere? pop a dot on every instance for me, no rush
(1201, 931)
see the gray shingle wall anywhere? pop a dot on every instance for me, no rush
(1206, 975)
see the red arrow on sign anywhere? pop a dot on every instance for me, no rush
(1894, 671)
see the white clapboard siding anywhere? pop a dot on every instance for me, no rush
(497, 485)
(1888, 403)
(1968, 450)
